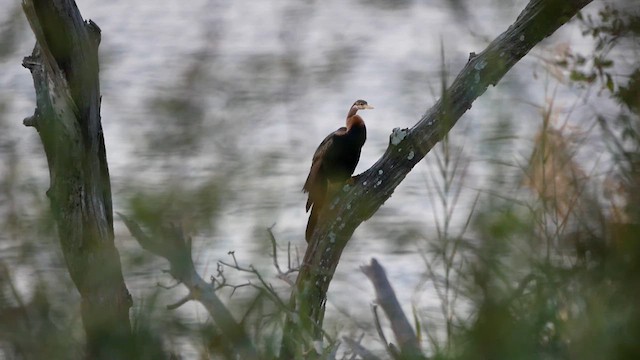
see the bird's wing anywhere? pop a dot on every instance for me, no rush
(316, 182)
(326, 144)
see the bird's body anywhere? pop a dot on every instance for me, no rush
(334, 162)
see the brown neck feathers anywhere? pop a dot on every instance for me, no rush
(352, 112)
(354, 121)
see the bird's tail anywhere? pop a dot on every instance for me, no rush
(317, 195)
(313, 219)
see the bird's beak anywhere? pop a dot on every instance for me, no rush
(369, 107)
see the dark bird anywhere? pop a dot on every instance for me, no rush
(334, 162)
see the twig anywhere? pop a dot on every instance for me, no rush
(376, 321)
(359, 350)
(267, 290)
(283, 275)
(167, 287)
(180, 302)
(274, 248)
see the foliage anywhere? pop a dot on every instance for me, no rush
(555, 270)
(549, 271)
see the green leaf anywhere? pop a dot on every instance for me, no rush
(417, 324)
(609, 82)
(577, 76)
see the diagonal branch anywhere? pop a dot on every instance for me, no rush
(407, 147)
(386, 298)
(172, 245)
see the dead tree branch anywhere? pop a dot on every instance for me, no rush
(407, 147)
(64, 67)
(171, 244)
(386, 298)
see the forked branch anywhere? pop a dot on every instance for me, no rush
(171, 244)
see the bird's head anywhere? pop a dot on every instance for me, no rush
(361, 105)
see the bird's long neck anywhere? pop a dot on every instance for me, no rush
(354, 120)
(352, 112)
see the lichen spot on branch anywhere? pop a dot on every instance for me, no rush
(481, 64)
(397, 135)
(335, 202)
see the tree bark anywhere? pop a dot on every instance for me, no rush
(407, 147)
(64, 67)
(408, 342)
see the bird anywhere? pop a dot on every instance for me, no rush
(334, 161)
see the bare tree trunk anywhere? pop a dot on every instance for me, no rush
(64, 66)
(407, 147)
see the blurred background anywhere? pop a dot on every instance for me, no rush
(212, 111)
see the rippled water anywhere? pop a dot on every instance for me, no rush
(265, 82)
